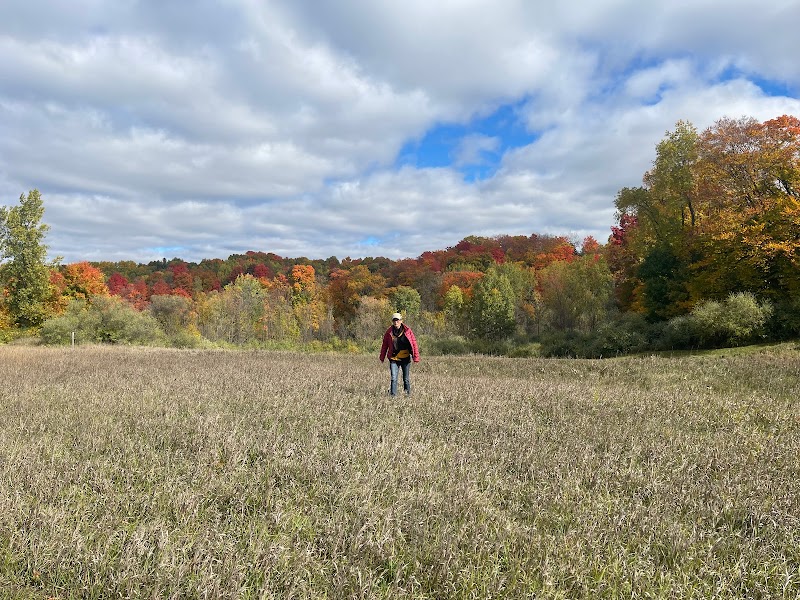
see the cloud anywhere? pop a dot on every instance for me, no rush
(301, 127)
(473, 148)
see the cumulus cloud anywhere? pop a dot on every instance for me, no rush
(158, 129)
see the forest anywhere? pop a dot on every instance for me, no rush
(704, 253)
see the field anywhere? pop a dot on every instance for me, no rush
(155, 473)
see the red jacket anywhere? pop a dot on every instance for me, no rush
(387, 343)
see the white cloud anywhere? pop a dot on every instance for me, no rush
(472, 148)
(275, 126)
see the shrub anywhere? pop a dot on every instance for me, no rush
(447, 345)
(188, 338)
(679, 333)
(567, 344)
(737, 320)
(627, 334)
(524, 350)
(784, 323)
(6, 326)
(104, 320)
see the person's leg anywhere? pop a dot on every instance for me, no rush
(393, 368)
(406, 376)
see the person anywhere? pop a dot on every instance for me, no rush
(400, 347)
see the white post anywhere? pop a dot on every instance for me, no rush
(73, 339)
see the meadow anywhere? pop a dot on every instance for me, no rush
(158, 473)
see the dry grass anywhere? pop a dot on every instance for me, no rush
(152, 473)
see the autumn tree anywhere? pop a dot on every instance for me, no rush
(623, 261)
(279, 321)
(24, 274)
(234, 315)
(719, 213)
(138, 294)
(345, 290)
(464, 280)
(117, 283)
(752, 181)
(182, 280)
(310, 310)
(78, 280)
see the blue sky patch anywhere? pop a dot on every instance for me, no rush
(166, 250)
(475, 148)
(774, 88)
(370, 241)
(770, 87)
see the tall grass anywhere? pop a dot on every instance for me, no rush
(155, 473)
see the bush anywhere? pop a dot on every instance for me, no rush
(785, 321)
(524, 350)
(6, 327)
(565, 344)
(502, 347)
(679, 333)
(443, 346)
(104, 320)
(188, 338)
(737, 320)
(627, 334)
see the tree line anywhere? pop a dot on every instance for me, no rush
(705, 252)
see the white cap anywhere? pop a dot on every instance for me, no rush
(397, 316)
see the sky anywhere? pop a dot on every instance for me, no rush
(199, 129)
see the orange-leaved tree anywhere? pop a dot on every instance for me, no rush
(751, 180)
(78, 280)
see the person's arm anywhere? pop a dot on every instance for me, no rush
(385, 346)
(414, 347)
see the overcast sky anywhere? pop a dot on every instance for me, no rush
(197, 129)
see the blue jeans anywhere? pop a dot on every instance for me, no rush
(394, 368)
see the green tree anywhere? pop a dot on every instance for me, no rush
(453, 308)
(523, 282)
(575, 295)
(668, 218)
(406, 300)
(672, 179)
(493, 305)
(664, 277)
(24, 275)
